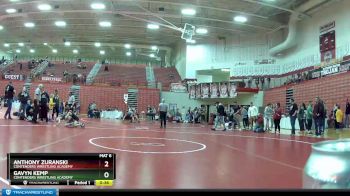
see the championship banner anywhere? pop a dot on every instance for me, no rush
(51, 79)
(333, 69)
(233, 90)
(327, 47)
(198, 91)
(178, 88)
(192, 92)
(223, 90)
(14, 77)
(205, 90)
(213, 90)
(344, 66)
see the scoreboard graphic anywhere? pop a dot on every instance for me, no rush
(61, 169)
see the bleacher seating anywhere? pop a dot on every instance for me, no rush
(58, 68)
(166, 76)
(122, 74)
(14, 69)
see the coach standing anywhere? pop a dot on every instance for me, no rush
(163, 109)
(9, 93)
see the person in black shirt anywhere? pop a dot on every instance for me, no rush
(347, 113)
(9, 93)
(44, 106)
(293, 115)
(23, 97)
(219, 120)
(319, 114)
(56, 100)
(237, 114)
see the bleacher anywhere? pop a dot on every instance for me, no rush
(122, 75)
(58, 68)
(14, 69)
(166, 76)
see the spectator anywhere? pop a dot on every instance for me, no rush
(318, 114)
(277, 117)
(268, 114)
(309, 117)
(347, 113)
(293, 115)
(252, 114)
(9, 94)
(339, 119)
(245, 118)
(23, 97)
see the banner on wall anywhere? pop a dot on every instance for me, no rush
(329, 70)
(213, 90)
(344, 66)
(205, 90)
(178, 88)
(14, 77)
(327, 27)
(327, 47)
(223, 90)
(51, 79)
(198, 92)
(192, 91)
(233, 90)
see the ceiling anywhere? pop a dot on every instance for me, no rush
(129, 19)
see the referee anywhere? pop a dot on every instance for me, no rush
(163, 109)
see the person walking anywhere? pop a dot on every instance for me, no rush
(163, 109)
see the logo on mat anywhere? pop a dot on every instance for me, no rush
(8, 192)
(25, 182)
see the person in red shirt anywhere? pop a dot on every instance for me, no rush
(277, 117)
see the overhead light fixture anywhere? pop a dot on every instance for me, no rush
(225, 70)
(127, 46)
(75, 51)
(192, 41)
(67, 43)
(241, 19)
(44, 7)
(60, 23)
(21, 44)
(29, 24)
(45, 44)
(128, 53)
(1, 27)
(11, 10)
(98, 6)
(14, 0)
(152, 55)
(31, 50)
(7, 45)
(54, 51)
(201, 31)
(154, 47)
(18, 51)
(188, 12)
(153, 26)
(97, 44)
(105, 24)
(102, 52)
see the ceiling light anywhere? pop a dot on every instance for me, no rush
(54, 51)
(127, 46)
(75, 51)
(45, 44)
(7, 45)
(128, 54)
(192, 41)
(97, 44)
(153, 26)
(1, 27)
(29, 24)
(44, 7)
(14, 0)
(102, 52)
(188, 12)
(67, 43)
(225, 70)
(241, 19)
(11, 11)
(18, 51)
(60, 23)
(154, 47)
(105, 24)
(21, 44)
(151, 55)
(98, 6)
(31, 51)
(201, 31)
